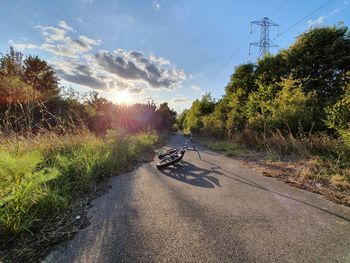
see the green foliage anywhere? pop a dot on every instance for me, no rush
(213, 126)
(180, 120)
(226, 147)
(320, 58)
(166, 117)
(39, 178)
(243, 78)
(259, 107)
(193, 121)
(296, 91)
(338, 115)
(292, 109)
(40, 75)
(24, 190)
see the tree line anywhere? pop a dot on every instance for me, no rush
(300, 90)
(31, 101)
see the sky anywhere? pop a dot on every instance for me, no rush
(162, 50)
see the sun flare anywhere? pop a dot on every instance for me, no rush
(122, 97)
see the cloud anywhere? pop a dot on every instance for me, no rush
(62, 24)
(76, 62)
(159, 60)
(316, 22)
(82, 79)
(22, 46)
(182, 100)
(196, 88)
(52, 34)
(80, 20)
(58, 43)
(320, 20)
(135, 66)
(79, 73)
(156, 6)
(135, 90)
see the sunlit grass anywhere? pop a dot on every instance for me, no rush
(39, 176)
(223, 146)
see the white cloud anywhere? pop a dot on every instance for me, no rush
(182, 100)
(316, 22)
(90, 41)
(159, 60)
(75, 62)
(58, 43)
(22, 46)
(62, 24)
(320, 20)
(156, 6)
(196, 88)
(52, 34)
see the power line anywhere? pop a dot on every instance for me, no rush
(306, 16)
(278, 8)
(229, 59)
(242, 44)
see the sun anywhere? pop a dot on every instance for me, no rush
(122, 97)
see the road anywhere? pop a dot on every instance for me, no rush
(209, 210)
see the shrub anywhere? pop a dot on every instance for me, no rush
(292, 109)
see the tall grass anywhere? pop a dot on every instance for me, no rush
(39, 176)
(330, 156)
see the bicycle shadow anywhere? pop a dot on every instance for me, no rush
(188, 173)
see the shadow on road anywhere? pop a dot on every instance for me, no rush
(191, 174)
(246, 181)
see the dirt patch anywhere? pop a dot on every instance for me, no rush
(301, 174)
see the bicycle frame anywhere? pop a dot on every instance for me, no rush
(181, 150)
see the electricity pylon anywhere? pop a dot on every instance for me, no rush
(265, 43)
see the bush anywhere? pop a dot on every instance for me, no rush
(212, 126)
(292, 109)
(338, 116)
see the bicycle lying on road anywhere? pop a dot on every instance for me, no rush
(174, 155)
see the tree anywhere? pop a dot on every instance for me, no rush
(193, 121)
(242, 78)
(292, 109)
(338, 115)
(181, 119)
(40, 75)
(320, 58)
(165, 117)
(11, 64)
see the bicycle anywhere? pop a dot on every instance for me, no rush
(175, 155)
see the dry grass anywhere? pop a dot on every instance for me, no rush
(316, 162)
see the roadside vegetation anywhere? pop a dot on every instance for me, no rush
(293, 106)
(55, 147)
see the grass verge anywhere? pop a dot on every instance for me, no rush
(41, 177)
(317, 163)
(228, 148)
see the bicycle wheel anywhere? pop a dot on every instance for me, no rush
(169, 161)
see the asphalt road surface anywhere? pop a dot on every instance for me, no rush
(209, 210)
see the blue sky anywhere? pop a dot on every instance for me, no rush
(163, 50)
